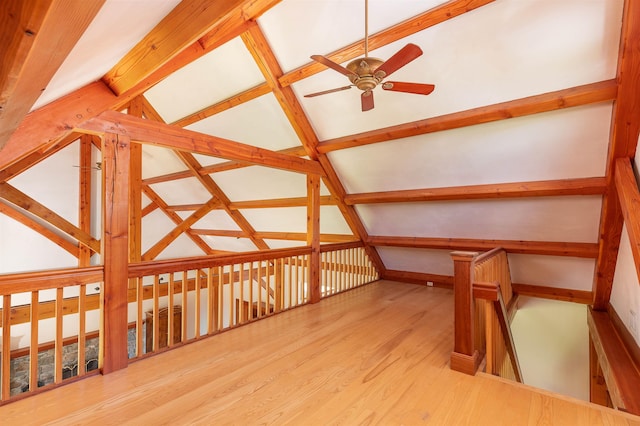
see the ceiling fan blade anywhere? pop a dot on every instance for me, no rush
(324, 92)
(329, 63)
(417, 88)
(400, 59)
(367, 100)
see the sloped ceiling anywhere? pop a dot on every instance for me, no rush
(551, 65)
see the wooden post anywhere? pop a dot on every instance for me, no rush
(465, 357)
(115, 249)
(313, 235)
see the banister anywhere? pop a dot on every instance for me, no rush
(503, 320)
(42, 280)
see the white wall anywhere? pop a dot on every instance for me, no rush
(625, 295)
(552, 342)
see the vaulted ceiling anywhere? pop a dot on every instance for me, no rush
(533, 102)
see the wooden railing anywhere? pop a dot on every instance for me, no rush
(174, 302)
(343, 267)
(482, 287)
(169, 303)
(51, 306)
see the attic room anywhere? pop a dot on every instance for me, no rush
(243, 217)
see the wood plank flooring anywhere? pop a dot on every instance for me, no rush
(375, 355)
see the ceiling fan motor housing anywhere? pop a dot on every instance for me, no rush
(364, 75)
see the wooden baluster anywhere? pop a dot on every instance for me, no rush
(259, 280)
(197, 304)
(82, 328)
(6, 347)
(465, 357)
(240, 305)
(156, 313)
(57, 373)
(220, 299)
(279, 283)
(33, 349)
(140, 349)
(231, 297)
(170, 303)
(185, 305)
(211, 292)
(250, 280)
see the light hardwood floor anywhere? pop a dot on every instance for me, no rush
(375, 355)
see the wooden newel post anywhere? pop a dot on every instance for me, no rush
(115, 253)
(313, 235)
(465, 357)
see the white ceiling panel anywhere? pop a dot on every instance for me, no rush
(229, 243)
(502, 51)
(417, 260)
(257, 183)
(562, 144)
(182, 246)
(573, 219)
(157, 161)
(286, 219)
(182, 191)
(332, 221)
(83, 66)
(266, 125)
(216, 219)
(226, 71)
(552, 271)
(320, 26)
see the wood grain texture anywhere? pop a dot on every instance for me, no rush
(582, 95)
(374, 355)
(160, 134)
(548, 188)
(36, 37)
(629, 197)
(624, 138)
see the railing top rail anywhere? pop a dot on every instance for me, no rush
(488, 255)
(177, 265)
(42, 280)
(340, 246)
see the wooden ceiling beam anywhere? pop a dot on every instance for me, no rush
(266, 60)
(289, 236)
(188, 22)
(547, 188)
(623, 140)
(239, 99)
(629, 197)
(164, 242)
(549, 248)
(576, 96)
(326, 200)
(159, 203)
(23, 201)
(160, 134)
(42, 230)
(435, 16)
(213, 188)
(36, 37)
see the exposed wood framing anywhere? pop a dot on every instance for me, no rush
(437, 15)
(113, 321)
(135, 187)
(543, 292)
(84, 199)
(445, 281)
(257, 44)
(184, 25)
(576, 96)
(325, 200)
(313, 236)
(624, 138)
(290, 236)
(41, 229)
(629, 197)
(550, 248)
(158, 203)
(160, 134)
(23, 201)
(36, 37)
(562, 187)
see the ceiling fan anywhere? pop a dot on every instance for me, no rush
(368, 72)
